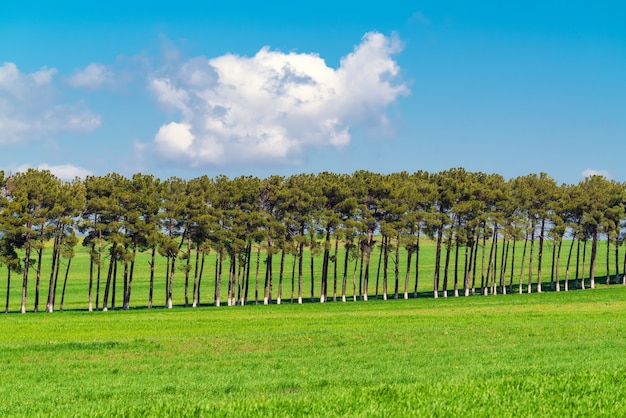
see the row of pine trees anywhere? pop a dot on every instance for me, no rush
(248, 218)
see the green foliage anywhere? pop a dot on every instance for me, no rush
(553, 354)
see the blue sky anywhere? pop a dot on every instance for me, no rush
(188, 88)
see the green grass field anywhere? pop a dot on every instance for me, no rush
(550, 354)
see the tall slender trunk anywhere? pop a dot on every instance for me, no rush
(556, 265)
(187, 268)
(171, 284)
(475, 263)
(608, 259)
(490, 264)
(409, 257)
(38, 275)
(56, 280)
(438, 258)
(616, 258)
(114, 293)
(199, 291)
(312, 263)
(417, 262)
(232, 271)
(468, 268)
(624, 270)
(582, 282)
(512, 265)
(25, 272)
(217, 293)
(67, 272)
(105, 302)
(256, 276)
(326, 258)
(577, 280)
(521, 274)
(267, 295)
(530, 257)
(446, 267)
(335, 268)
(380, 259)
(300, 267)
(396, 270)
(151, 290)
(279, 297)
(247, 279)
(91, 255)
(195, 278)
(345, 273)
(483, 278)
(569, 259)
(540, 255)
(505, 258)
(456, 268)
(6, 305)
(55, 250)
(367, 255)
(293, 276)
(592, 261)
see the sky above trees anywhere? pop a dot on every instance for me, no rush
(190, 88)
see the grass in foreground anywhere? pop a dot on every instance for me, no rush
(551, 354)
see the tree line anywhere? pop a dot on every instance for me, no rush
(479, 223)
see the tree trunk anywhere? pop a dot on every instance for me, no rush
(279, 297)
(417, 262)
(408, 272)
(195, 279)
(171, 284)
(67, 272)
(512, 265)
(335, 268)
(446, 267)
(592, 261)
(556, 265)
(345, 274)
(151, 290)
(300, 267)
(437, 261)
(55, 250)
(6, 306)
(521, 274)
(38, 275)
(187, 268)
(91, 255)
(396, 271)
(256, 276)
(530, 257)
(540, 255)
(569, 259)
(380, 259)
(217, 296)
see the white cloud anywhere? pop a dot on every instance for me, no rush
(593, 172)
(272, 106)
(29, 107)
(93, 77)
(66, 172)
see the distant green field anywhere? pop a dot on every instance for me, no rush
(77, 287)
(550, 354)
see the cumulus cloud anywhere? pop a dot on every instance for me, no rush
(66, 172)
(270, 107)
(93, 77)
(593, 172)
(29, 109)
